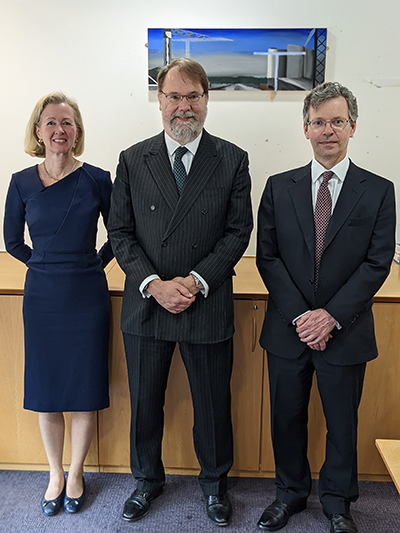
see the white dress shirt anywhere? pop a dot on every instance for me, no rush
(187, 158)
(334, 184)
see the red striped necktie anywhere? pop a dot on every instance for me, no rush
(322, 215)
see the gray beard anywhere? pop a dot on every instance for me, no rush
(185, 133)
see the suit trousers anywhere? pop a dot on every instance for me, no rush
(209, 369)
(340, 389)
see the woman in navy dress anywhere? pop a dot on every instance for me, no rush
(66, 307)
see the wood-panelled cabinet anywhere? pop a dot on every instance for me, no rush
(379, 415)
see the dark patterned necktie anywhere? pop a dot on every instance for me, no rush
(179, 168)
(322, 215)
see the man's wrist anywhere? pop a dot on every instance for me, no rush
(152, 285)
(197, 282)
(145, 285)
(297, 317)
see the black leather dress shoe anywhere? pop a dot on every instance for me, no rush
(277, 514)
(73, 505)
(219, 509)
(342, 523)
(138, 504)
(51, 507)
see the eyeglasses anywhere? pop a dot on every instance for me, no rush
(336, 124)
(177, 98)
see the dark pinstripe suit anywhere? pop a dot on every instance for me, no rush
(154, 231)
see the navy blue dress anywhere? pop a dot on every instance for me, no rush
(66, 306)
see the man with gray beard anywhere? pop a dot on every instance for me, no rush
(180, 220)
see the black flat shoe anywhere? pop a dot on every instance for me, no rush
(74, 505)
(219, 509)
(277, 514)
(51, 507)
(137, 506)
(342, 523)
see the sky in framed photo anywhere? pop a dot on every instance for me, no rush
(244, 59)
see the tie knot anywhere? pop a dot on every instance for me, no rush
(180, 152)
(327, 176)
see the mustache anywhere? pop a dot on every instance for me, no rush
(184, 114)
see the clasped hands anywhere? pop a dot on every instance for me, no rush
(175, 295)
(314, 328)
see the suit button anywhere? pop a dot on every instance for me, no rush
(164, 244)
(311, 281)
(152, 207)
(194, 245)
(204, 212)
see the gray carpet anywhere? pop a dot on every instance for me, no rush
(180, 509)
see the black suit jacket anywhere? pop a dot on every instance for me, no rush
(154, 231)
(356, 258)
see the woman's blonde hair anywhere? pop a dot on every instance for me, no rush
(32, 145)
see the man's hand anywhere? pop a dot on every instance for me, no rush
(171, 295)
(314, 328)
(188, 282)
(319, 346)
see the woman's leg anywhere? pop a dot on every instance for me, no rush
(52, 428)
(82, 427)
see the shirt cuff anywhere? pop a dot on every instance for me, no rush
(337, 325)
(297, 317)
(143, 286)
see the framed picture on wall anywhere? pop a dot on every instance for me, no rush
(244, 59)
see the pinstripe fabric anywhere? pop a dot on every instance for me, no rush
(209, 370)
(154, 231)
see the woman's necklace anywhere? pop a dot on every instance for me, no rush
(58, 179)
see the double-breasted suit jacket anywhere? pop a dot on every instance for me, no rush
(153, 230)
(356, 258)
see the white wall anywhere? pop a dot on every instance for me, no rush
(94, 50)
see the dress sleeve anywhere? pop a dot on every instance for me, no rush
(14, 224)
(105, 251)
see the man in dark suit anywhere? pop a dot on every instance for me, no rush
(179, 222)
(325, 245)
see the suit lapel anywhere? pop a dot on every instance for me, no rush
(203, 166)
(349, 196)
(300, 192)
(159, 164)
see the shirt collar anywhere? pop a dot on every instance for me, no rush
(340, 170)
(172, 145)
